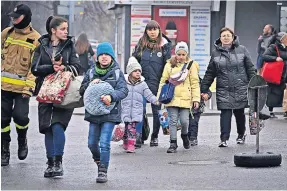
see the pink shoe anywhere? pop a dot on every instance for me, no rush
(125, 144)
(131, 146)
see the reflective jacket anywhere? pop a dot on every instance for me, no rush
(17, 48)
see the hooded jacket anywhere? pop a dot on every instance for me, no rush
(233, 69)
(188, 91)
(132, 105)
(120, 92)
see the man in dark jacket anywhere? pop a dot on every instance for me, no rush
(231, 64)
(264, 41)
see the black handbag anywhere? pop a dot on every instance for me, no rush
(145, 129)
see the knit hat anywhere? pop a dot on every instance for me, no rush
(105, 48)
(133, 65)
(181, 46)
(281, 35)
(92, 98)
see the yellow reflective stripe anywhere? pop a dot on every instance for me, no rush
(13, 81)
(20, 43)
(30, 83)
(6, 129)
(21, 127)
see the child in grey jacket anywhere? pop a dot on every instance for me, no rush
(132, 105)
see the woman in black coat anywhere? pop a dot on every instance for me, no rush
(276, 92)
(54, 121)
(232, 67)
(152, 52)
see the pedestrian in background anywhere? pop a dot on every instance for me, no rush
(186, 93)
(84, 50)
(264, 42)
(17, 82)
(132, 105)
(275, 91)
(101, 126)
(232, 67)
(54, 121)
(152, 52)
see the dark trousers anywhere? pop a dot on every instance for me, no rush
(193, 126)
(156, 124)
(14, 105)
(225, 122)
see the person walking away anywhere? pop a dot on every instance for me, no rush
(152, 52)
(53, 121)
(186, 93)
(17, 82)
(101, 126)
(132, 105)
(275, 94)
(84, 49)
(231, 65)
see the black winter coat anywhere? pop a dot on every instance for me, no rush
(152, 63)
(276, 92)
(41, 67)
(233, 69)
(121, 92)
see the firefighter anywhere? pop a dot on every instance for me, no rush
(17, 82)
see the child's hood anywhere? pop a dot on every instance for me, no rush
(127, 79)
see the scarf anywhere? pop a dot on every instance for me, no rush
(102, 71)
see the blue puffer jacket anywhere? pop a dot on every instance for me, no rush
(121, 91)
(153, 62)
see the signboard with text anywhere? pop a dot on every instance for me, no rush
(140, 16)
(200, 37)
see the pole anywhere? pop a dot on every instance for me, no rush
(71, 17)
(257, 119)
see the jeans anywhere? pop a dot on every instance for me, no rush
(99, 141)
(55, 140)
(225, 122)
(174, 114)
(193, 126)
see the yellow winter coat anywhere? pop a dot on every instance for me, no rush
(185, 93)
(17, 47)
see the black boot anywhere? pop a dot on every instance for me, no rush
(102, 174)
(22, 148)
(58, 167)
(5, 153)
(138, 141)
(185, 140)
(173, 146)
(49, 172)
(153, 141)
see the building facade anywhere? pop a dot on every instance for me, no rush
(196, 22)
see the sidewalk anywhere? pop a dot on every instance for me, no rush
(209, 111)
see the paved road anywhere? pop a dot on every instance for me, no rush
(202, 167)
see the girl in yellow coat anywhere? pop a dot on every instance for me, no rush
(186, 93)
